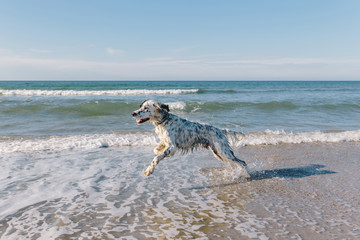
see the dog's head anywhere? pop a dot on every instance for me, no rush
(151, 111)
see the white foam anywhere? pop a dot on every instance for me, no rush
(177, 105)
(93, 141)
(277, 137)
(77, 142)
(124, 92)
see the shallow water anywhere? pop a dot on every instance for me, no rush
(297, 191)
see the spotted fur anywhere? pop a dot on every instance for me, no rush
(178, 134)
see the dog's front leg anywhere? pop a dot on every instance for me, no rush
(160, 149)
(167, 153)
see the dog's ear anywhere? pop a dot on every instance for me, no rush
(165, 107)
(161, 107)
(143, 103)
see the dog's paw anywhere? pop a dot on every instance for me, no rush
(148, 171)
(245, 173)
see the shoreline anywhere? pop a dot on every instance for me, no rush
(298, 191)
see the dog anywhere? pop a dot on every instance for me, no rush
(176, 133)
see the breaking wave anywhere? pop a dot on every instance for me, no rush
(76, 142)
(93, 141)
(123, 92)
(269, 137)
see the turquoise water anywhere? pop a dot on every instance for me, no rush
(58, 108)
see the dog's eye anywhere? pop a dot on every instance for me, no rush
(146, 108)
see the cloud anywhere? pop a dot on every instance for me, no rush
(288, 61)
(5, 52)
(113, 51)
(206, 67)
(33, 50)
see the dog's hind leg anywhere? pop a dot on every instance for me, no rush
(167, 153)
(225, 154)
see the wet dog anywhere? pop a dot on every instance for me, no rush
(176, 133)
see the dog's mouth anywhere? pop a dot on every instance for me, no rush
(142, 120)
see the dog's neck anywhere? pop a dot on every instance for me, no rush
(165, 117)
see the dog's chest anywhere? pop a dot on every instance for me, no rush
(162, 133)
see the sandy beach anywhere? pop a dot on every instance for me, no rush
(297, 191)
(305, 191)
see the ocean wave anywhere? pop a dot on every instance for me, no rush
(87, 109)
(96, 108)
(84, 109)
(94, 141)
(76, 142)
(217, 91)
(338, 106)
(105, 107)
(177, 105)
(225, 106)
(269, 137)
(124, 92)
(261, 106)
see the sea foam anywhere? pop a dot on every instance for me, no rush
(93, 141)
(177, 105)
(76, 142)
(123, 92)
(269, 137)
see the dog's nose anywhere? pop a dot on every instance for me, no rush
(133, 114)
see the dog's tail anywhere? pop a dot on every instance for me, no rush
(233, 137)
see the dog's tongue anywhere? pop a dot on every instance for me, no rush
(141, 120)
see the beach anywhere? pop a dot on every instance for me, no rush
(297, 191)
(72, 161)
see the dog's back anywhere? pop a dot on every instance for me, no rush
(188, 135)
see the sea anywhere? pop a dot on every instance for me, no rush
(72, 159)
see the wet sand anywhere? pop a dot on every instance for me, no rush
(297, 191)
(303, 191)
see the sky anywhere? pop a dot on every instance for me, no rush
(180, 40)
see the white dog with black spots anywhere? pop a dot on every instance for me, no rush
(176, 133)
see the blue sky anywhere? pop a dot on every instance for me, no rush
(180, 40)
